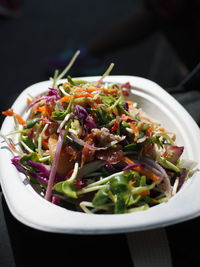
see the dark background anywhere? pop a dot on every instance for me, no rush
(44, 29)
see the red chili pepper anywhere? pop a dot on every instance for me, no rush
(115, 126)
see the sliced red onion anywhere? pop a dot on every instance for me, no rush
(172, 153)
(155, 167)
(35, 102)
(182, 177)
(54, 166)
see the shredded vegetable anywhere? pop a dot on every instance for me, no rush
(89, 148)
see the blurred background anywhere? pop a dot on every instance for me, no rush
(32, 32)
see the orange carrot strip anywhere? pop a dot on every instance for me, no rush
(144, 193)
(45, 110)
(135, 130)
(130, 103)
(20, 119)
(83, 95)
(141, 170)
(28, 100)
(67, 97)
(8, 112)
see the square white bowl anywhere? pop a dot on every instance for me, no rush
(31, 209)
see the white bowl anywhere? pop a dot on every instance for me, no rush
(31, 209)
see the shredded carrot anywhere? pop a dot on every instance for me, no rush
(67, 97)
(144, 193)
(135, 130)
(149, 131)
(28, 100)
(94, 105)
(45, 110)
(128, 161)
(162, 130)
(83, 95)
(20, 119)
(146, 172)
(8, 112)
(130, 103)
(67, 84)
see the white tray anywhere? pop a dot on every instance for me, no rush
(31, 209)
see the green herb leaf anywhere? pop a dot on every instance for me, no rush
(28, 141)
(101, 197)
(108, 100)
(120, 204)
(31, 123)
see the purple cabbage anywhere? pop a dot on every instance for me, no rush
(132, 166)
(82, 114)
(52, 96)
(16, 162)
(90, 124)
(41, 171)
(54, 92)
(126, 107)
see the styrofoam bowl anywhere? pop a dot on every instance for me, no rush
(31, 209)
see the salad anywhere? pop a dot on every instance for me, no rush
(85, 146)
